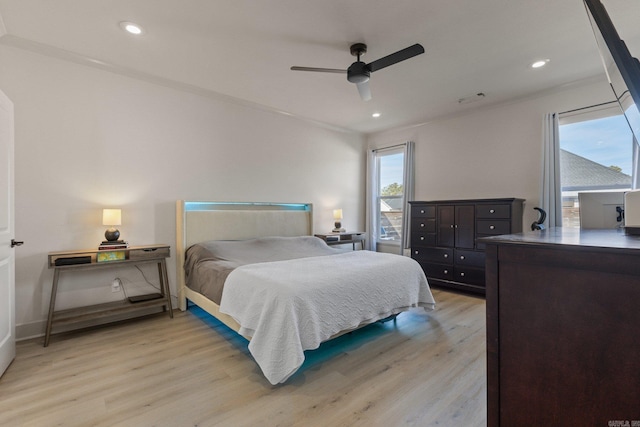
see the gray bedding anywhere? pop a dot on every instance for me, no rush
(208, 264)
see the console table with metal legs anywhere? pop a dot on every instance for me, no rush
(91, 260)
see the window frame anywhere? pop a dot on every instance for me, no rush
(373, 211)
(379, 155)
(610, 109)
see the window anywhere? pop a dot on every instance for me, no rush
(596, 154)
(390, 194)
(391, 185)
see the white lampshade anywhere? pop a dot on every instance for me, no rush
(111, 217)
(337, 214)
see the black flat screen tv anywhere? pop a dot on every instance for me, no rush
(623, 72)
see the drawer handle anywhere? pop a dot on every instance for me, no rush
(462, 274)
(492, 227)
(421, 210)
(421, 237)
(446, 255)
(422, 224)
(452, 225)
(492, 211)
(415, 252)
(446, 272)
(461, 256)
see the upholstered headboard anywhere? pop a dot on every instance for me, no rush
(198, 221)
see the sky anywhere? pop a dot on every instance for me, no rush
(607, 141)
(391, 169)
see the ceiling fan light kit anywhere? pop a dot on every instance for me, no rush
(359, 72)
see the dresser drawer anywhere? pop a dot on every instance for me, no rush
(493, 211)
(471, 275)
(438, 271)
(419, 239)
(493, 227)
(469, 258)
(423, 211)
(433, 255)
(423, 225)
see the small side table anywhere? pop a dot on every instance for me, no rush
(352, 237)
(70, 261)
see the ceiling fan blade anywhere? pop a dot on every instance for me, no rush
(394, 58)
(364, 91)
(320, 70)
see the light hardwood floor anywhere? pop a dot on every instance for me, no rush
(426, 369)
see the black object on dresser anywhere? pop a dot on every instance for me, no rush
(444, 237)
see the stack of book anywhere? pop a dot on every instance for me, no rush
(113, 245)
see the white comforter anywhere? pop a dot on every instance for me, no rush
(291, 306)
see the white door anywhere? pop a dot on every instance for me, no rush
(7, 258)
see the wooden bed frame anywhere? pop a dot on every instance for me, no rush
(198, 221)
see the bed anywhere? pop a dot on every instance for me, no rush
(257, 268)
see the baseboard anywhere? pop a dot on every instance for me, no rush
(27, 331)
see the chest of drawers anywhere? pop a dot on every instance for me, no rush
(445, 233)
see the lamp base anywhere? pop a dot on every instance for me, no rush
(112, 234)
(338, 227)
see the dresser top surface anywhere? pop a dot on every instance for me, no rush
(579, 238)
(469, 201)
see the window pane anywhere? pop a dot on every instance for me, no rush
(391, 172)
(390, 196)
(595, 155)
(391, 218)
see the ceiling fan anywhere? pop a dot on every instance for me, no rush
(359, 72)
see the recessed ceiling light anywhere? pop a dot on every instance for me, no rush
(540, 63)
(376, 115)
(132, 28)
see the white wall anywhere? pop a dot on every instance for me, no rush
(491, 152)
(88, 139)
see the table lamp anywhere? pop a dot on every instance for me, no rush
(111, 218)
(337, 216)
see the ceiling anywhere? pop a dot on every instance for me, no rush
(243, 49)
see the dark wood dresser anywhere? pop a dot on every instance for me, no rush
(444, 237)
(563, 328)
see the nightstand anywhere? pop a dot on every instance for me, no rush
(83, 260)
(352, 237)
